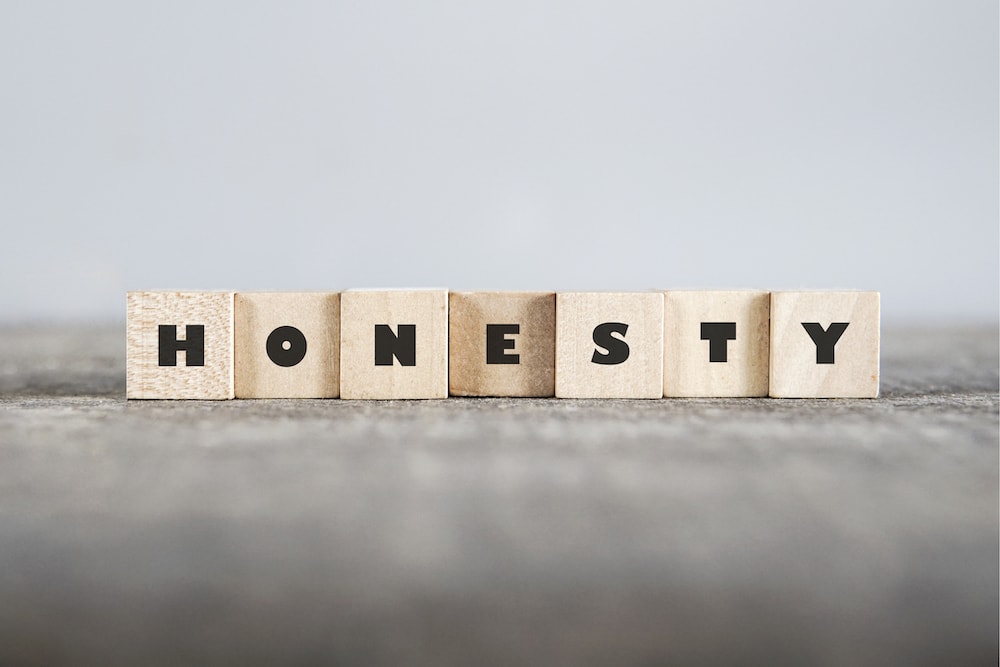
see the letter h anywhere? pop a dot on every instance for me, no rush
(193, 345)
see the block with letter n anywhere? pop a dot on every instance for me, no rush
(394, 344)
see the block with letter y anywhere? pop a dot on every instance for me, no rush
(824, 345)
(179, 345)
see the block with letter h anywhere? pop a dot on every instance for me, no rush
(179, 345)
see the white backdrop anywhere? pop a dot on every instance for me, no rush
(547, 145)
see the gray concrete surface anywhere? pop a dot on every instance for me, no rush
(498, 532)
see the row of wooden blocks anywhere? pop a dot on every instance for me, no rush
(398, 344)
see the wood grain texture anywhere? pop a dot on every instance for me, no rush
(640, 375)
(316, 315)
(688, 370)
(145, 378)
(534, 313)
(795, 371)
(361, 311)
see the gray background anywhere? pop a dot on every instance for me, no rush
(561, 145)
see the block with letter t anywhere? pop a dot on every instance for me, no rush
(824, 345)
(179, 345)
(715, 343)
(394, 344)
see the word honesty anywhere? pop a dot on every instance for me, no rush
(408, 344)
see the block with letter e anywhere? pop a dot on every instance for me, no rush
(179, 345)
(394, 344)
(609, 345)
(824, 345)
(502, 343)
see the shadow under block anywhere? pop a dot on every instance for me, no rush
(287, 345)
(179, 345)
(824, 344)
(501, 343)
(609, 345)
(394, 344)
(716, 343)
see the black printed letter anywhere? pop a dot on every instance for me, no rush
(402, 346)
(286, 346)
(617, 348)
(825, 340)
(497, 342)
(718, 334)
(193, 345)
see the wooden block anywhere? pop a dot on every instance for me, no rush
(394, 344)
(287, 345)
(179, 345)
(716, 343)
(502, 343)
(609, 345)
(824, 344)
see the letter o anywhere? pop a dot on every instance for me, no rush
(286, 356)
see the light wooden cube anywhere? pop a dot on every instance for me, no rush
(824, 344)
(179, 345)
(716, 343)
(609, 345)
(394, 344)
(287, 345)
(502, 343)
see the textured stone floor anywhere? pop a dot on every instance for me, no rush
(481, 531)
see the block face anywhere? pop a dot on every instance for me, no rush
(287, 345)
(813, 355)
(482, 329)
(589, 369)
(716, 343)
(193, 331)
(407, 322)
